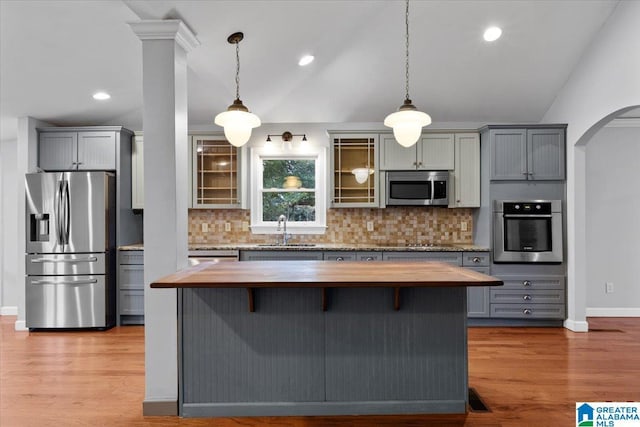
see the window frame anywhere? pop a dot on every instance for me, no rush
(319, 155)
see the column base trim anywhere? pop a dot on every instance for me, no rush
(576, 325)
(160, 408)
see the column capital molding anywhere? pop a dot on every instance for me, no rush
(166, 29)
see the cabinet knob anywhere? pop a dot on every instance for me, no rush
(415, 163)
(525, 173)
(526, 283)
(419, 163)
(527, 297)
(475, 258)
(369, 258)
(527, 311)
(340, 258)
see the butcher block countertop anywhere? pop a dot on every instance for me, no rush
(323, 274)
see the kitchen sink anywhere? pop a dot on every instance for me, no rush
(288, 245)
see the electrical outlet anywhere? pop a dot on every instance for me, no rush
(609, 287)
(369, 225)
(463, 226)
(227, 226)
(205, 227)
(245, 226)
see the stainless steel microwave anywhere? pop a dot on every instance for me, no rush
(417, 188)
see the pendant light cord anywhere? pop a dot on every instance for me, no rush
(238, 70)
(406, 21)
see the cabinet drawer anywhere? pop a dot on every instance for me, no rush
(528, 311)
(340, 256)
(475, 259)
(532, 282)
(538, 296)
(454, 258)
(131, 276)
(281, 255)
(131, 257)
(132, 302)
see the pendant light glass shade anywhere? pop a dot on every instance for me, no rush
(407, 122)
(362, 174)
(237, 124)
(237, 121)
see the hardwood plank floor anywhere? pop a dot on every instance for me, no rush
(526, 376)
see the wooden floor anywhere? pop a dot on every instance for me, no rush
(526, 376)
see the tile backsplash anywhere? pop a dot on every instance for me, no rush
(396, 225)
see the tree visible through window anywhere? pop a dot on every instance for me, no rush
(289, 188)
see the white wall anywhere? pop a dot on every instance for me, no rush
(604, 82)
(613, 225)
(9, 258)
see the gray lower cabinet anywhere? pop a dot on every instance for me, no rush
(478, 297)
(281, 255)
(529, 296)
(131, 287)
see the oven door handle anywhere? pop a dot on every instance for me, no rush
(526, 216)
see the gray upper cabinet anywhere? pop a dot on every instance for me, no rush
(433, 151)
(465, 178)
(82, 150)
(527, 153)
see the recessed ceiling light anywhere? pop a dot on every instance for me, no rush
(101, 96)
(305, 60)
(492, 34)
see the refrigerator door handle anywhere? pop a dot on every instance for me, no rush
(67, 216)
(41, 260)
(58, 213)
(70, 282)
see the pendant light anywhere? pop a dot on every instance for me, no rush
(407, 122)
(237, 121)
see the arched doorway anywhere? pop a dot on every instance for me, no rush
(612, 209)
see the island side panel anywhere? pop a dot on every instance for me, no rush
(275, 354)
(418, 353)
(272, 361)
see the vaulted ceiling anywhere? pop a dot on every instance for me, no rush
(55, 54)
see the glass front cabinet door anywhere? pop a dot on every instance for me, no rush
(216, 174)
(354, 170)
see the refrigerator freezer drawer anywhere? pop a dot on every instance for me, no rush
(65, 264)
(66, 302)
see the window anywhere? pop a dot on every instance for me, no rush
(291, 185)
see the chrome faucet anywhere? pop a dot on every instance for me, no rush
(282, 219)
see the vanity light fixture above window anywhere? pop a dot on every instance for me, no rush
(287, 138)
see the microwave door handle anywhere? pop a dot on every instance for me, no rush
(433, 189)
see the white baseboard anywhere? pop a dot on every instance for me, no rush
(576, 325)
(20, 325)
(9, 310)
(612, 312)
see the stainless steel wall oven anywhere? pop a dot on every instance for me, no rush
(527, 231)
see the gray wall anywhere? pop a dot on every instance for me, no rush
(613, 221)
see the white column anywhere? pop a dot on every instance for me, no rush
(165, 45)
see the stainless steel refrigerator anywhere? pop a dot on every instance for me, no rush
(71, 252)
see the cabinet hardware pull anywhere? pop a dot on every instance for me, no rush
(526, 283)
(369, 258)
(339, 258)
(527, 297)
(526, 311)
(41, 260)
(476, 259)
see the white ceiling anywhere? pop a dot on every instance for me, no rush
(55, 54)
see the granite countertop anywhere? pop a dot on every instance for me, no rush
(324, 247)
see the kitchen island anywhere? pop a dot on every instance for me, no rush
(322, 338)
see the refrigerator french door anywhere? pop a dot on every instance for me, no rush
(70, 245)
